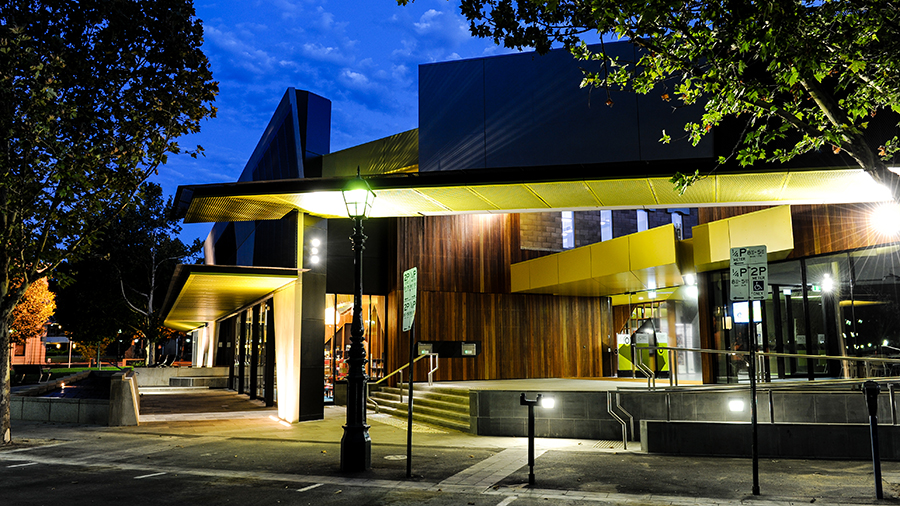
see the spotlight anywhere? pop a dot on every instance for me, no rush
(886, 219)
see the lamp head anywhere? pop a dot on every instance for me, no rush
(358, 197)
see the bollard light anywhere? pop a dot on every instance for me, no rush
(546, 403)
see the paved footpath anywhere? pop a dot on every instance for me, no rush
(169, 451)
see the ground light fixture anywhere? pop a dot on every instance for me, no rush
(546, 403)
(356, 446)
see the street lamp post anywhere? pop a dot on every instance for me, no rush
(356, 446)
(544, 402)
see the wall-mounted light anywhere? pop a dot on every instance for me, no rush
(689, 279)
(885, 219)
(735, 405)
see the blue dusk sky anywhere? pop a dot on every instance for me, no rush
(362, 55)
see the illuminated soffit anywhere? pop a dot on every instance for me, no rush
(434, 194)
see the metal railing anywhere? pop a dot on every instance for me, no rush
(867, 362)
(399, 371)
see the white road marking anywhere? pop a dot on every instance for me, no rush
(304, 489)
(22, 465)
(507, 500)
(148, 476)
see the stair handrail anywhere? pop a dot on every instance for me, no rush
(396, 371)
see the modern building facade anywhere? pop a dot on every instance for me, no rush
(544, 227)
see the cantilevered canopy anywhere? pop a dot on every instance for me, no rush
(495, 191)
(204, 293)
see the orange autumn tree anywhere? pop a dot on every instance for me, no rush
(32, 312)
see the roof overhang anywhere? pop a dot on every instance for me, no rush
(204, 293)
(521, 190)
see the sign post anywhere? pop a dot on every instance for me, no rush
(410, 291)
(750, 281)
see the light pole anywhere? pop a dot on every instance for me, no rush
(356, 447)
(544, 402)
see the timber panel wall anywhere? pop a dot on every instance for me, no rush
(818, 229)
(464, 294)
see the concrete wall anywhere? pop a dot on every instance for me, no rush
(120, 409)
(584, 414)
(47, 409)
(781, 440)
(159, 376)
(576, 415)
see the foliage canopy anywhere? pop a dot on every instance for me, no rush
(93, 95)
(804, 75)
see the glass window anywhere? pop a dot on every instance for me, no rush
(568, 230)
(606, 226)
(642, 221)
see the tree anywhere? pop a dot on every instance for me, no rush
(93, 95)
(122, 285)
(33, 311)
(803, 75)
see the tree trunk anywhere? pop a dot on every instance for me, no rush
(5, 377)
(151, 352)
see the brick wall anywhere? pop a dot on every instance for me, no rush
(541, 231)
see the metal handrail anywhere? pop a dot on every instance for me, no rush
(651, 377)
(396, 371)
(611, 411)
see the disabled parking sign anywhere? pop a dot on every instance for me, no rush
(749, 273)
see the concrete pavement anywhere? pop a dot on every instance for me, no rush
(217, 434)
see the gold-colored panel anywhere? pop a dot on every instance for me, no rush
(544, 271)
(575, 264)
(582, 288)
(209, 296)
(623, 192)
(652, 247)
(609, 257)
(565, 194)
(406, 203)
(765, 187)
(772, 227)
(711, 244)
(519, 277)
(458, 199)
(212, 209)
(659, 276)
(702, 191)
(849, 185)
(325, 204)
(510, 196)
(621, 282)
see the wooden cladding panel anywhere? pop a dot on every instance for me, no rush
(818, 229)
(522, 336)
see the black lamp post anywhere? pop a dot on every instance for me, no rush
(356, 447)
(544, 402)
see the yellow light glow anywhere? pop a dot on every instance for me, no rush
(886, 219)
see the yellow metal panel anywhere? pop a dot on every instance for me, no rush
(565, 194)
(652, 247)
(751, 187)
(772, 227)
(623, 192)
(458, 199)
(405, 203)
(510, 196)
(520, 277)
(609, 257)
(621, 282)
(700, 192)
(258, 207)
(575, 264)
(544, 271)
(582, 288)
(711, 244)
(850, 185)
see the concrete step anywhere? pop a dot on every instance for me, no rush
(441, 406)
(169, 390)
(199, 381)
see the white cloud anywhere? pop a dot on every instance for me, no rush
(324, 53)
(239, 52)
(355, 80)
(442, 27)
